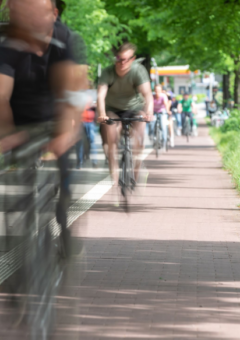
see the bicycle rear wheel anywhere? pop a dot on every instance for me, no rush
(187, 130)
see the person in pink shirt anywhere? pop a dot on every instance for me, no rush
(161, 106)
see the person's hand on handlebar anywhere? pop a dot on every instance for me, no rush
(102, 119)
(13, 140)
(148, 117)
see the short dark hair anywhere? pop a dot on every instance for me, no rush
(53, 3)
(61, 5)
(127, 46)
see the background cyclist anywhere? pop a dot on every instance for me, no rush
(161, 105)
(124, 88)
(186, 107)
(176, 114)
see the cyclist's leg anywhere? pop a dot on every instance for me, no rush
(179, 120)
(151, 128)
(103, 133)
(164, 126)
(183, 120)
(112, 138)
(138, 133)
(171, 130)
(190, 115)
(80, 150)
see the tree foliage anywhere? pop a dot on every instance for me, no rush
(99, 29)
(204, 34)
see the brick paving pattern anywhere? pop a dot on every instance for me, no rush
(168, 270)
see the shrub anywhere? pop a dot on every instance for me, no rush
(232, 123)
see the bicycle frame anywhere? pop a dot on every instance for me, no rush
(127, 178)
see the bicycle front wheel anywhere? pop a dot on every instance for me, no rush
(127, 179)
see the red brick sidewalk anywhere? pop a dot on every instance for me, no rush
(170, 270)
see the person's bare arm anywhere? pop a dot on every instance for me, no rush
(193, 108)
(169, 107)
(145, 90)
(80, 77)
(6, 116)
(8, 137)
(101, 107)
(179, 108)
(166, 103)
(67, 81)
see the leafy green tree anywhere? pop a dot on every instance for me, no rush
(99, 29)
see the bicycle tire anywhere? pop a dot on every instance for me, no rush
(126, 184)
(188, 130)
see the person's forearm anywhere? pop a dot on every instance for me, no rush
(148, 104)
(169, 105)
(6, 118)
(101, 107)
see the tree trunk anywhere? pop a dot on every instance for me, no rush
(236, 82)
(236, 87)
(226, 91)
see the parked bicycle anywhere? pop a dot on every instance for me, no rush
(127, 181)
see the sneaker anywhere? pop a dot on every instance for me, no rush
(79, 165)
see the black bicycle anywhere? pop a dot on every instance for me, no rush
(127, 179)
(158, 140)
(187, 127)
(39, 249)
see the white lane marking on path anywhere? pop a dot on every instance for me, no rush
(12, 261)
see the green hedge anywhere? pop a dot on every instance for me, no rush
(227, 139)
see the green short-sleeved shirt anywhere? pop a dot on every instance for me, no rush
(122, 93)
(186, 105)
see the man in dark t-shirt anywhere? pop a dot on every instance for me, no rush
(32, 99)
(37, 66)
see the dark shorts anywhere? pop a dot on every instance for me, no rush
(125, 114)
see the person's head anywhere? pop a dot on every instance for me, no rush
(185, 96)
(158, 89)
(124, 58)
(60, 4)
(33, 16)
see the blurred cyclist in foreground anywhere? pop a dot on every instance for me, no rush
(38, 82)
(124, 90)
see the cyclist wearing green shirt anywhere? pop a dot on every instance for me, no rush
(124, 88)
(186, 107)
